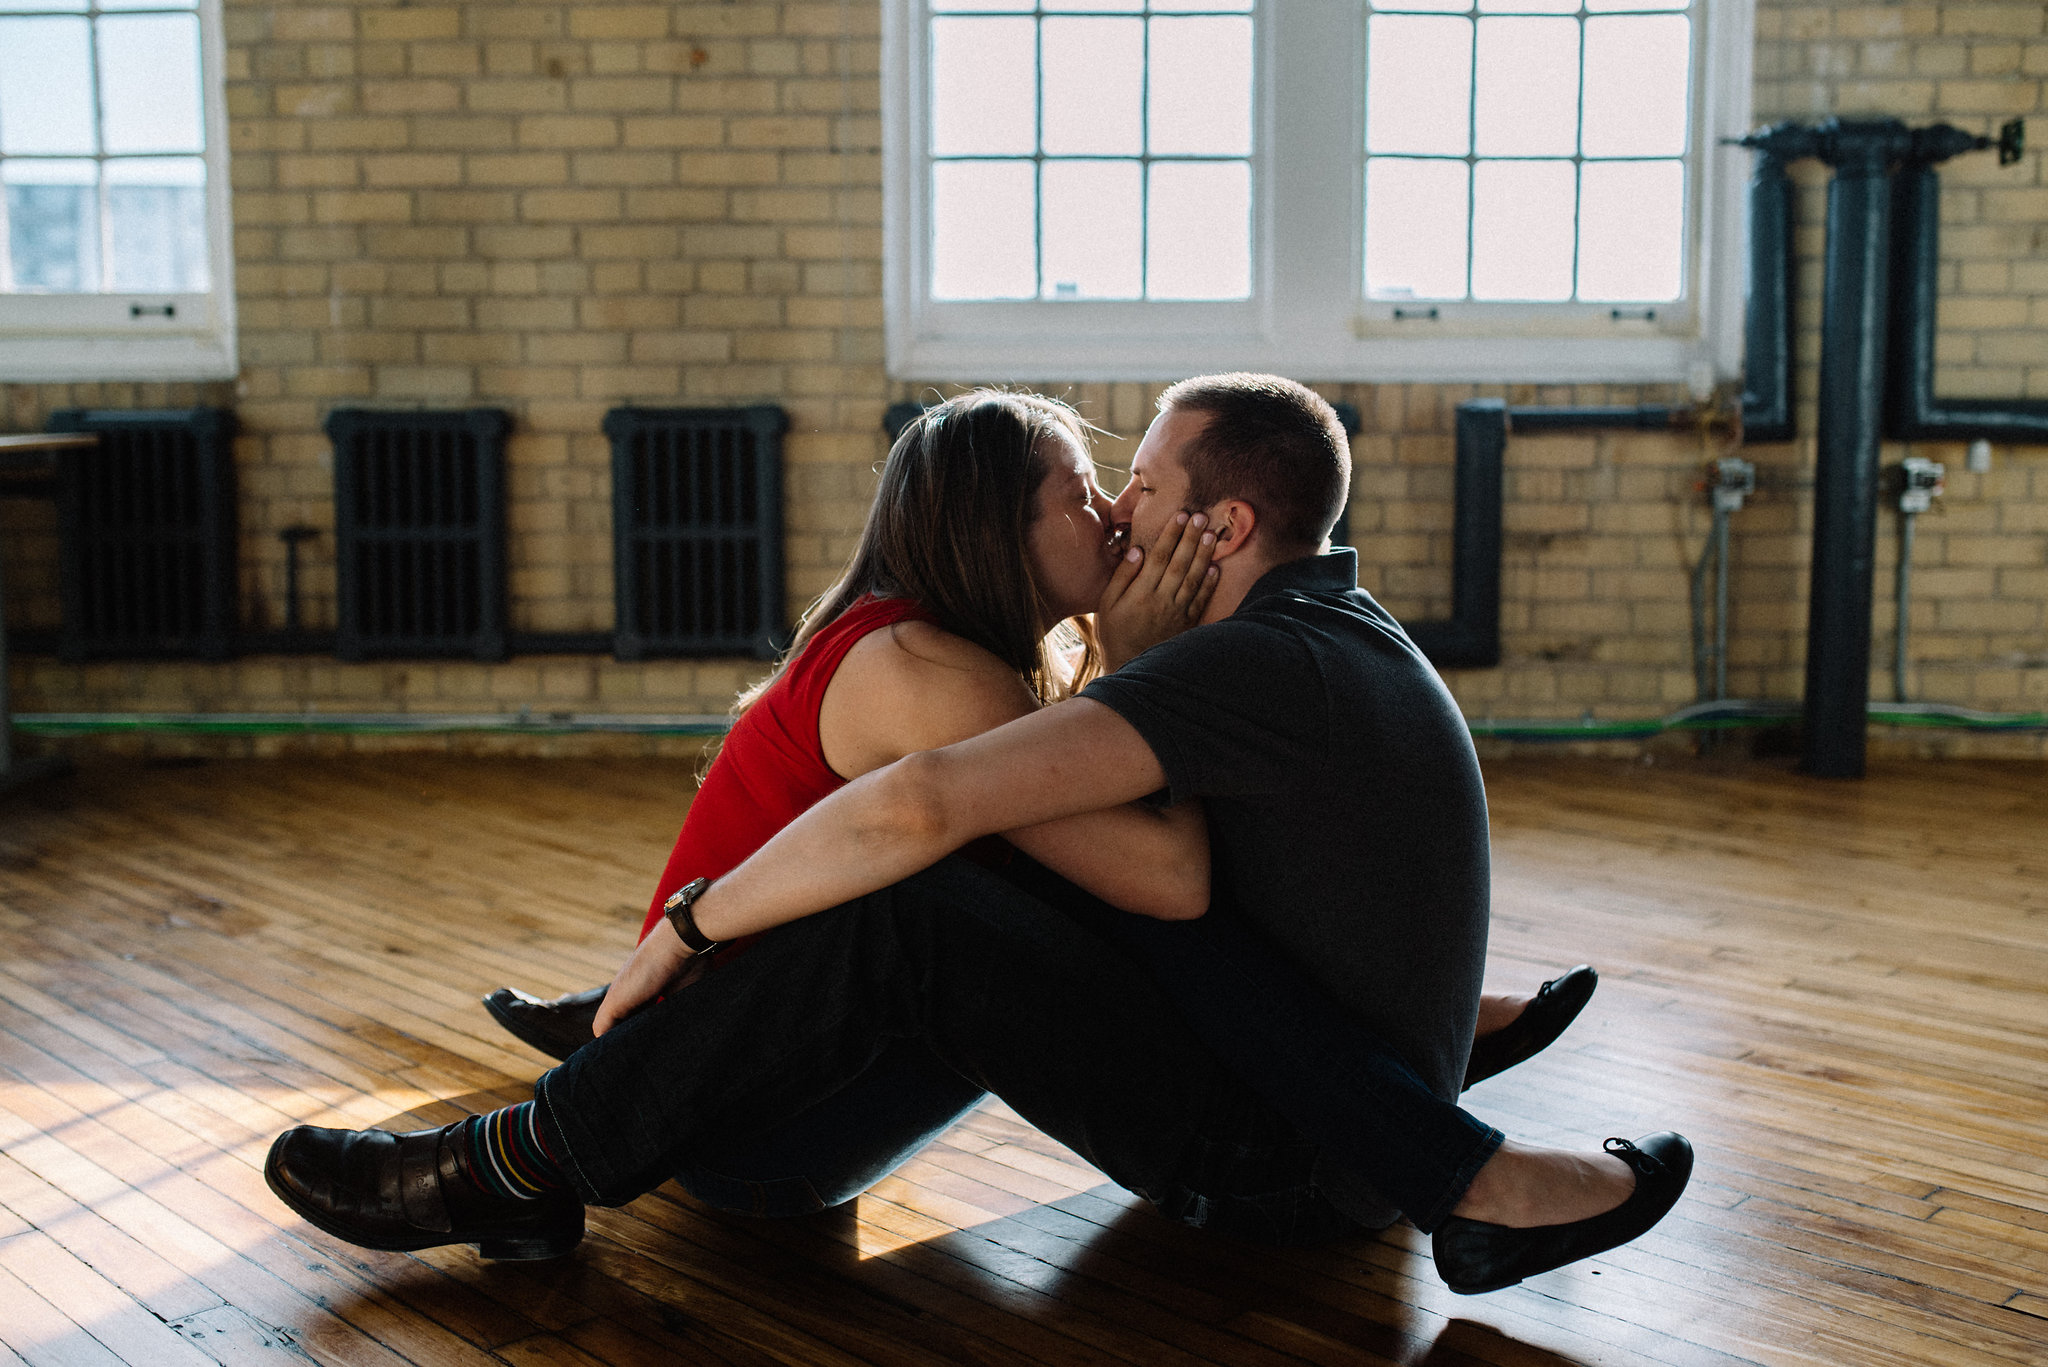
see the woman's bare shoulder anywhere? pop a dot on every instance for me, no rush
(914, 686)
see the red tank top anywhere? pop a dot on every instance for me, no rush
(772, 766)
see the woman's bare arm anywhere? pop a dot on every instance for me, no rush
(914, 687)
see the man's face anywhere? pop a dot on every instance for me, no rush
(1159, 481)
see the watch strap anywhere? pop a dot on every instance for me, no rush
(677, 910)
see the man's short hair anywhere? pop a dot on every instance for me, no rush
(1272, 442)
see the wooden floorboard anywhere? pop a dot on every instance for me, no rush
(1838, 990)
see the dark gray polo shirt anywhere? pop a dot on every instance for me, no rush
(1347, 819)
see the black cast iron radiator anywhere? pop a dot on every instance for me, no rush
(697, 530)
(147, 529)
(419, 532)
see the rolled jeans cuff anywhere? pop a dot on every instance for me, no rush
(1485, 1143)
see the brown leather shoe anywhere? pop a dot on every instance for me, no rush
(557, 1028)
(406, 1191)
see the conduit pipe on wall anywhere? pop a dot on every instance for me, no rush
(1912, 412)
(1767, 304)
(1856, 306)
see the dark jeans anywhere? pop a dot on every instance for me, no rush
(1013, 996)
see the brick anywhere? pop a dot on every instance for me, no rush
(557, 315)
(676, 130)
(445, 59)
(517, 168)
(574, 206)
(305, 23)
(1991, 20)
(568, 130)
(619, 21)
(803, 132)
(630, 382)
(417, 168)
(632, 242)
(313, 101)
(357, 134)
(623, 168)
(622, 94)
(577, 348)
(470, 348)
(466, 206)
(421, 313)
(536, 96)
(411, 97)
(691, 205)
(727, 168)
(1988, 97)
(730, 240)
(400, 25)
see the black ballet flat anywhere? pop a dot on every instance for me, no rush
(557, 1028)
(1555, 1006)
(403, 1192)
(1473, 1256)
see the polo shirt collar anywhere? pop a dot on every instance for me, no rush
(1335, 571)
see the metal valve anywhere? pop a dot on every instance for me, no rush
(1730, 482)
(1921, 481)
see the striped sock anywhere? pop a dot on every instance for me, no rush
(507, 1155)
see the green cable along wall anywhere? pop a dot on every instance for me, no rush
(1721, 716)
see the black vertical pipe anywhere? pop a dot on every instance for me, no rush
(1851, 405)
(1767, 303)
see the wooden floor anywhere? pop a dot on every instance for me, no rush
(1840, 991)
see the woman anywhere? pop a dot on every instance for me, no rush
(988, 533)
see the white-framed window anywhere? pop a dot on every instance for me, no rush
(1430, 190)
(115, 250)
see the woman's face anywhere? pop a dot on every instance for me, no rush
(1072, 550)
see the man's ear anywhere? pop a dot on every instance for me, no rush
(1234, 522)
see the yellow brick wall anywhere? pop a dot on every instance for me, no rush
(556, 209)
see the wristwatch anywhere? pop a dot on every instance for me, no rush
(677, 909)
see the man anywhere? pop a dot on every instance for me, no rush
(1348, 827)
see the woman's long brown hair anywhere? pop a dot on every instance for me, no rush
(949, 529)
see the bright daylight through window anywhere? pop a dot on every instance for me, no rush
(1533, 150)
(1098, 155)
(1402, 189)
(112, 256)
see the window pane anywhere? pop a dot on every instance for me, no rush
(1094, 76)
(1522, 229)
(1201, 6)
(46, 86)
(149, 83)
(138, 4)
(1608, 6)
(984, 230)
(1120, 6)
(1631, 230)
(984, 87)
(156, 217)
(1091, 212)
(1415, 229)
(1636, 84)
(1199, 231)
(53, 225)
(1201, 87)
(1425, 6)
(1528, 6)
(1527, 103)
(6, 5)
(982, 6)
(1418, 85)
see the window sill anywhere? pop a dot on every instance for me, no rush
(74, 359)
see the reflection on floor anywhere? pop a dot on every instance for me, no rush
(1835, 989)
